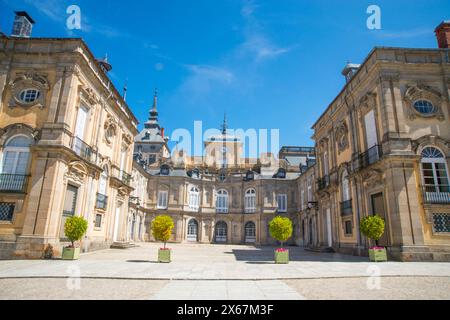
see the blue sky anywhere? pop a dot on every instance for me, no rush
(267, 64)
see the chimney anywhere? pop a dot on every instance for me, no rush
(23, 24)
(162, 133)
(350, 70)
(443, 35)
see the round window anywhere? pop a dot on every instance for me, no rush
(424, 107)
(29, 95)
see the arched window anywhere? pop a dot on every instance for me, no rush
(345, 187)
(165, 170)
(250, 232)
(29, 95)
(16, 154)
(435, 175)
(221, 231)
(192, 230)
(194, 199)
(222, 201)
(250, 201)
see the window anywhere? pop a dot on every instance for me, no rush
(434, 173)
(250, 201)
(6, 211)
(250, 232)
(102, 183)
(222, 201)
(81, 122)
(281, 174)
(310, 195)
(194, 199)
(348, 227)
(302, 200)
(162, 199)
(29, 95)
(250, 175)
(345, 187)
(424, 107)
(325, 163)
(441, 223)
(16, 155)
(282, 202)
(165, 170)
(70, 200)
(98, 221)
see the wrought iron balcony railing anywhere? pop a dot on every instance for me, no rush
(368, 158)
(323, 183)
(221, 210)
(13, 183)
(102, 201)
(436, 194)
(82, 149)
(346, 208)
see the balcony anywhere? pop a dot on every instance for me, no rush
(436, 195)
(346, 208)
(13, 183)
(102, 201)
(323, 183)
(221, 210)
(368, 158)
(83, 150)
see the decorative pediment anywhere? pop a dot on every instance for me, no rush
(429, 140)
(88, 94)
(29, 89)
(372, 178)
(19, 128)
(127, 139)
(76, 172)
(341, 134)
(420, 91)
(367, 102)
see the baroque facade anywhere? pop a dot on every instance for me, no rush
(66, 145)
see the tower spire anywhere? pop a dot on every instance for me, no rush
(153, 119)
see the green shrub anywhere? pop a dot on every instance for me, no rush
(280, 229)
(75, 228)
(372, 227)
(162, 228)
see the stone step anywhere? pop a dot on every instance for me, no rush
(123, 245)
(319, 249)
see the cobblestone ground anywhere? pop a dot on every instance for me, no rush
(221, 272)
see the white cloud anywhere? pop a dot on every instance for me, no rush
(211, 73)
(159, 66)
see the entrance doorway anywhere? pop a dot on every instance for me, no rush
(377, 201)
(221, 232)
(192, 230)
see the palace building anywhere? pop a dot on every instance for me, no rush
(69, 145)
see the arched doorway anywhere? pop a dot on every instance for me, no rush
(192, 230)
(250, 232)
(221, 232)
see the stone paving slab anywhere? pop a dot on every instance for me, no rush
(215, 262)
(227, 290)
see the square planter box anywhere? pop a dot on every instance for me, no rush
(282, 257)
(378, 255)
(71, 253)
(164, 255)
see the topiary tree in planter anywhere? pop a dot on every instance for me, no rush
(162, 229)
(373, 228)
(280, 228)
(74, 229)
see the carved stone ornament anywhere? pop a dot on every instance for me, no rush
(18, 128)
(110, 127)
(76, 172)
(89, 95)
(367, 102)
(127, 139)
(372, 178)
(29, 81)
(341, 134)
(423, 92)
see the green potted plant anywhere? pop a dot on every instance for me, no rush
(74, 229)
(281, 229)
(162, 229)
(373, 228)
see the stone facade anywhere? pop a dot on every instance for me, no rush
(373, 153)
(66, 141)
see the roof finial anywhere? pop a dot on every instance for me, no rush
(225, 125)
(125, 90)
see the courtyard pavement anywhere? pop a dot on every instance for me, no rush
(229, 272)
